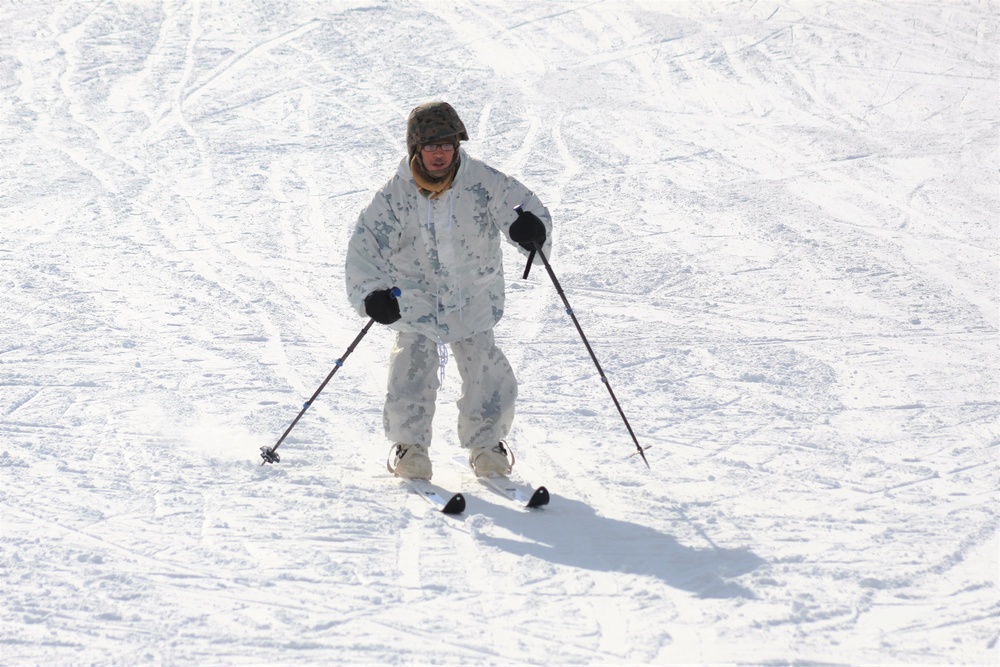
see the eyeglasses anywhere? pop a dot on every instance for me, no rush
(430, 148)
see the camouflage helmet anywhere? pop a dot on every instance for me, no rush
(432, 122)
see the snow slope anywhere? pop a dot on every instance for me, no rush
(776, 221)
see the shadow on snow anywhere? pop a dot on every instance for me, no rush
(570, 533)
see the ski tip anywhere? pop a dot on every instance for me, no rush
(540, 498)
(454, 506)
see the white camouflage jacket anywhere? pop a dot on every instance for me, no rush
(444, 254)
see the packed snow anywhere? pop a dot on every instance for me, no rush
(777, 222)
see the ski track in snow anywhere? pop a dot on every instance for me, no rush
(775, 221)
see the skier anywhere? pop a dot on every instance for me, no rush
(433, 231)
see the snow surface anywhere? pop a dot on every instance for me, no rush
(776, 221)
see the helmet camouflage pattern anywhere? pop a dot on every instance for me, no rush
(432, 122)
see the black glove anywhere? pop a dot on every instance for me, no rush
(382, 306)
(527, 230)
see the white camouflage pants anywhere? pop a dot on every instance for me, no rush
(489, 389)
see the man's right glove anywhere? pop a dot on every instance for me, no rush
(527, 230)
(382, 306)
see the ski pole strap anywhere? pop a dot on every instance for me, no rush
(531, 255)
(527, 268)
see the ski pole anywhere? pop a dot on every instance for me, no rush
(569, 311)
(268, 453)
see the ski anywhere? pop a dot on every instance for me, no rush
(518, 493)
(524, 495)
(443, 501)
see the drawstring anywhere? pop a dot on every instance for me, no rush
(443, 357)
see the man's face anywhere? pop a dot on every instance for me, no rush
(437, 157)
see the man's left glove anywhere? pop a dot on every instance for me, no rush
(382, 306)
(527, 230)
